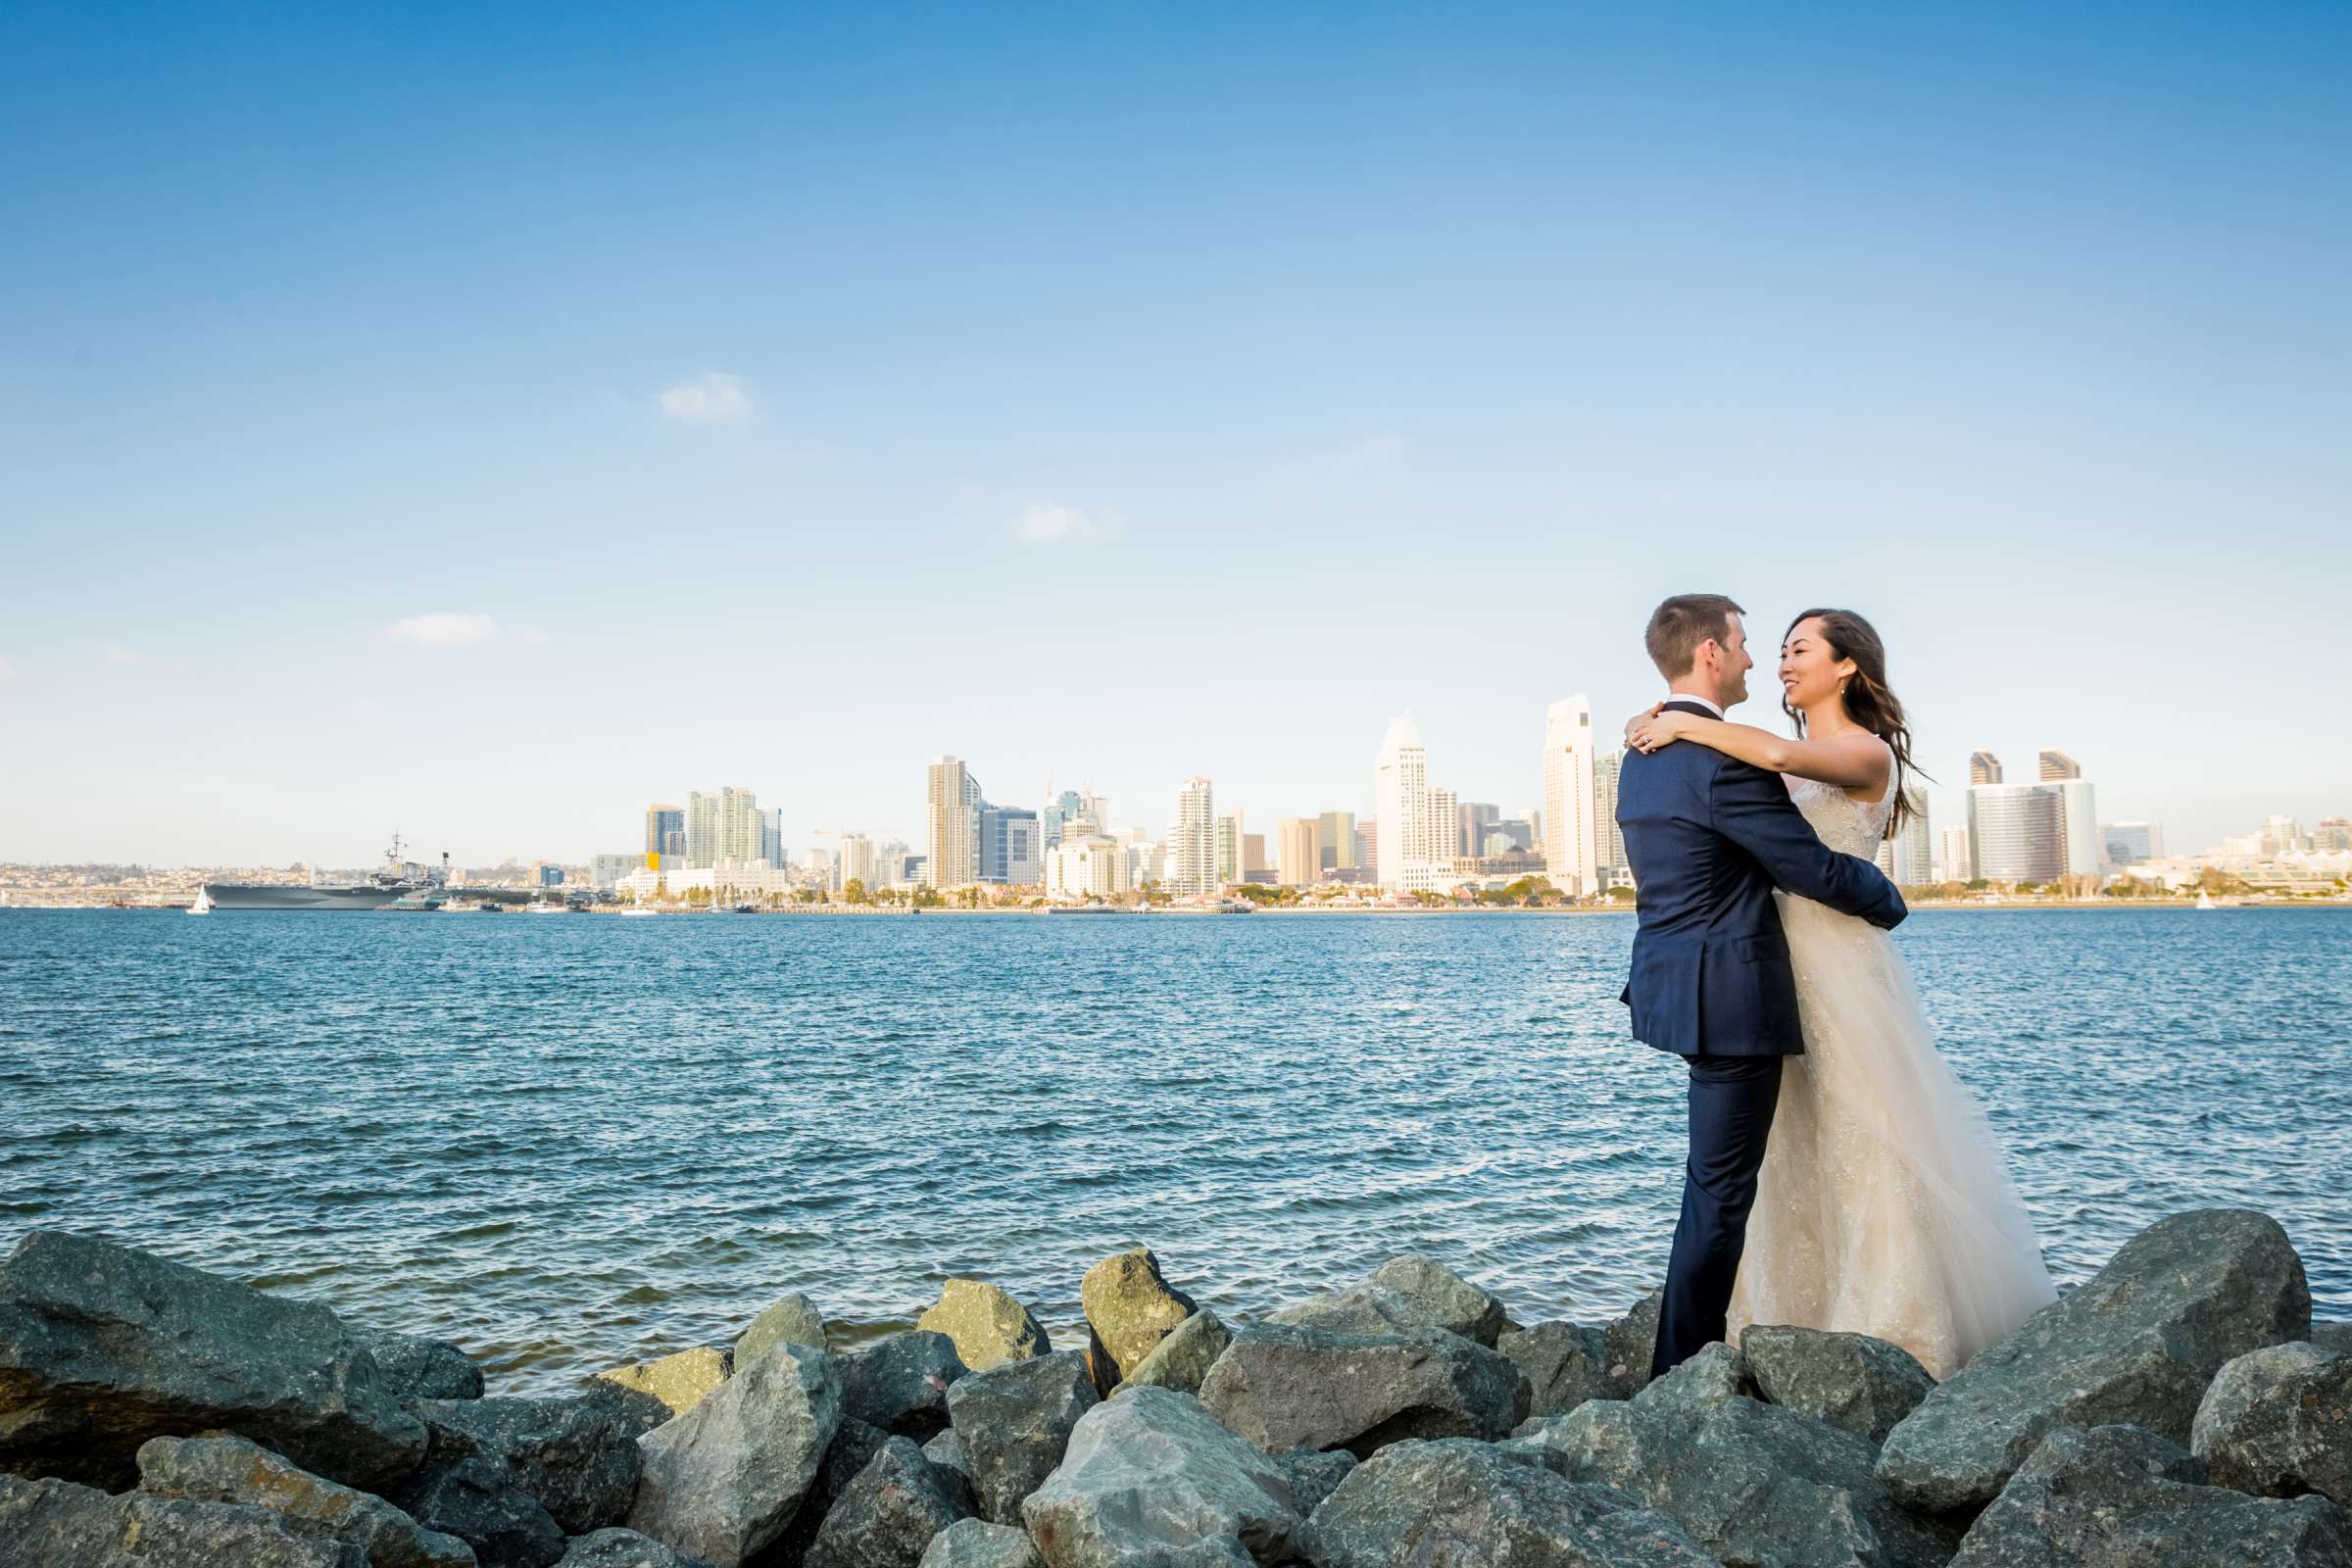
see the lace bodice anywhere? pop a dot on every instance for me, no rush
(1844, 823)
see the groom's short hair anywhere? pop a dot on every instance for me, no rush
(1679, 626)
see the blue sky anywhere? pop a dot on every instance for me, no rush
(779, 396)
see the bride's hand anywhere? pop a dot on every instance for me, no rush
(1656, 728)
(1634, 724)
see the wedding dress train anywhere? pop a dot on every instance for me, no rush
(1884, 1206)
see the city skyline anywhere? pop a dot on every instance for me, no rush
(417, 421)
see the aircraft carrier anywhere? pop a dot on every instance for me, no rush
(398, 879)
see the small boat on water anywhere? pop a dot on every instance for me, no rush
(2205, 900)
(638, 914)
(543, 906)
(202, 904)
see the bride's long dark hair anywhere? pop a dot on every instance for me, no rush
(1869, 701)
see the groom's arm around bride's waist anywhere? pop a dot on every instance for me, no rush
(1753, 810)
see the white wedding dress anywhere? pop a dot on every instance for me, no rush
(1884, 1206)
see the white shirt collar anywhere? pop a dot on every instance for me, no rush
(1685, 696)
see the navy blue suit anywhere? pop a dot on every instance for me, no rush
(1709, 838)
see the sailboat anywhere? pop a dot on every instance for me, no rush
(2205, 899)
(202, 904)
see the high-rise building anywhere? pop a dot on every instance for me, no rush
(1571, 838)
(952, 804)
(663, 825)
(1192, 848)
(1478, 817)
(1407, 841)
(1229, 848)
(854, 861)
(2129, 843)
(1011, 846)
(2078, 823)
(1254, 858)
(2056, 765)
(889, 863)
(1299, 840)
(1334, 840)
(740, 838)
(2333, 833)
(2280, 835)
(604, 871)
(1958, 863)
(1086, 866)
(1445, 833)
(771, 838)
(701, 830)
(1984, 768)
(1903, 855)
(2017, 832)
(1606, 834)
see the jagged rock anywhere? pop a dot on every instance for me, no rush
(2277, 1422)
(1631, 1341)
(1400, 1295)
(1182, 1360)
(2119, 1496)
(619, 1548)
(1314, 1474)
(220, 1468)
(888, 1513)
(479, 1497)
(792, 1320)
(977, 1543)
(577, 1456)
(638, 1411)
(680, 1380)
(989, 1327)
(57, 1524)
(855, 1443)
(1565, 1366)
(2136, 1344)
(1752, 1483)
(2333, 1337)
(900, 1383)
(1424, 1504)
(418, 1369)
(1285, 1387)
(724, 1479)
(1849, 1380)
(1130, 1307)
(102, 1347)
(1015, 1419)
(1151, 1467)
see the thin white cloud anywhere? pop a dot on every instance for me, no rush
(1047, 522)
(445, 629)
(712, 398)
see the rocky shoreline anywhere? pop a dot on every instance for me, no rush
(2180, 1408)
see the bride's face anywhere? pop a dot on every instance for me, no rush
(1810, 669)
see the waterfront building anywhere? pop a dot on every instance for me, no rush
(2129, 843)
(771, 837)
(1011, 846)
(1959, 862)
(1299, 844)
(1478, 818)
(1191, 857)
(665, 829)
(1444, 833)
(2281, 835)
(2079, 824)
(728, 882)
(1086, 866)
(1609, 836)
(1145, 862)
(1571, 838)
(1334, 840)
(1903, 855)
(1254, 858)
(605, 870)
(742, 832)
(1407, 839)
(1229, 849)
(953, 801)
(854, 861)
(1984, 768)
(702, 829)
(2056, 765)
(2017, 832)
(2333, 834)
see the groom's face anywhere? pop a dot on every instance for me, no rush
(1730, 681)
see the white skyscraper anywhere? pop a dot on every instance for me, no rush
(1191, 857)
(1402, 831)
(854, 862)
(1958, 863)
(954, 803)
(1607, 837)
(1571, 838)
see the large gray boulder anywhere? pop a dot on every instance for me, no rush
(577, 1456)
(1633, 1340)
(57, 1524)
(418, 1369)
(888, 1513)
(2333, 1337)
(680, 1380)
(2277, 1422)
(1424, 1504)
(1314, 1474)
(792, 1320)
(221, 1468)
(854, 1445)
(1285, 1387)
(723, 1480)
(619, 1548)
(2136, 1346)
(1151, 1468)
(1182, 1360)
(102, 1347)
(1849, 1380)
(1403, 1294)
(989, 1327)
(476, 1497)
(1565, 1366)
(1130, 1307)
(1751, 1482)
(900, 1383)
(2121, 1497)
(1014, 1421)
(977, 1543)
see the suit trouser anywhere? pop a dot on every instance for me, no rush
(1732, 1102)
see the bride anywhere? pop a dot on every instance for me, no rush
(1884, 1206)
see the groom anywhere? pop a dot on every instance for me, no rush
(1709, 838)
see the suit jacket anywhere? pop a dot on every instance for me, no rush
(1709, 837)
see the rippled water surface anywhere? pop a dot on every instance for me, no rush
(570, 1143)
